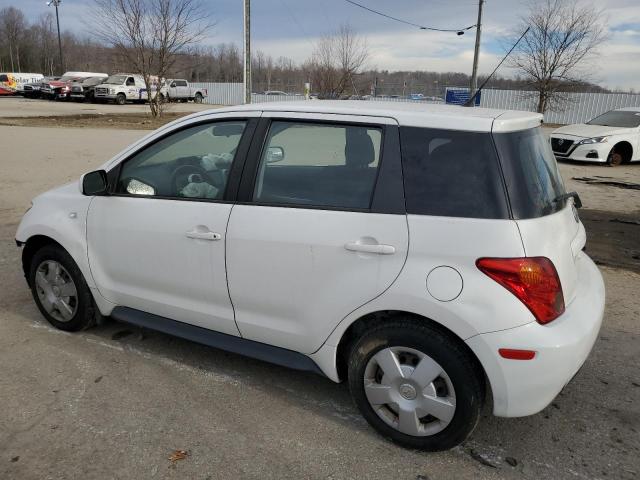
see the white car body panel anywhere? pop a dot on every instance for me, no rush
(289, 269)
(523, 388)
(481, 306)
(129, 240)
(282, 276)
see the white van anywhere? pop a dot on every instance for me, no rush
(12, 83)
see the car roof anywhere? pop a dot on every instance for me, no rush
(628, 109)
(451, 117)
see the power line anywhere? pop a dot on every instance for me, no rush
(459, 31)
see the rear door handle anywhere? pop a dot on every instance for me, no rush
(203, 235)
(375, 248)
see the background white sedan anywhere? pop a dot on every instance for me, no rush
(613, 137)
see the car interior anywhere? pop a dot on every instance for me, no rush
(158, 170)
(347, 184)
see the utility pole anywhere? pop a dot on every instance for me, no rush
(56, 3)
(474, 73)
(247, 51)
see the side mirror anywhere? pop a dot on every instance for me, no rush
(95, 183)
(275, 154)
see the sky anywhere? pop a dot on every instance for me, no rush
(290, 28)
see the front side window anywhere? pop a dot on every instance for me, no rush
(322, 165)
(451, 174)
(191, 163)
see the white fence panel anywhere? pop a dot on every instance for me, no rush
(222, 93)
(576, 108)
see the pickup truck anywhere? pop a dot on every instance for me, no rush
(122, 88)
(179, 90)
(61, 89)
(84, 89)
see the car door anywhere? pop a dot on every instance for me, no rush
(319, 228)
(183, 89)
(157, 242)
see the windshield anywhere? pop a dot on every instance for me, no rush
(66, 79)
(617, 118)
(116, 79)
(531, 173)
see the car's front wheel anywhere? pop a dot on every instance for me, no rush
(60, 290)
(416, 385)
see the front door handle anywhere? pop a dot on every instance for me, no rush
(368, 248)
(203, 235)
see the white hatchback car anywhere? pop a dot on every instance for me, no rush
(426, 254)
(613, 137)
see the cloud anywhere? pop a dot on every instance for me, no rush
(290, 28)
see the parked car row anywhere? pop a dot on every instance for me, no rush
(99, 87)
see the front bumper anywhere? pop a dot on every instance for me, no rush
(593, 152)
(524, 387)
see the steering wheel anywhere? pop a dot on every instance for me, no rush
(180, 177)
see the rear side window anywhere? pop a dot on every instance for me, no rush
(318, 164)
(531, 173)
(452, 174)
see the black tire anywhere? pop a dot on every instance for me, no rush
(198, 98)
(85, 311)
(121, 99)
(461, 367)
(615, 158)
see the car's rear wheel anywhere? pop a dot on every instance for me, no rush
(416, 385)
(198, 98)
(60, 290)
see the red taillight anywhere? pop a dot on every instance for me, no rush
(534, 280)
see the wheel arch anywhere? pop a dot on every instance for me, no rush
(361, 324)
(31, 246)
(627, 150)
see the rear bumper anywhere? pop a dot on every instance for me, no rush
(524, 387)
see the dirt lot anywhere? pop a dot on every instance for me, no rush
(115, 402)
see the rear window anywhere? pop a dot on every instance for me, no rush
(452, 174)
(531, 173)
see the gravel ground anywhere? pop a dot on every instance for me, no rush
(115, 402)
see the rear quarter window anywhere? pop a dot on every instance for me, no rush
(531, 173)
(452, 174)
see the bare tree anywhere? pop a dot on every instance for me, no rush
(336, 59)
(149, 35)
(554, 55)
(13, 26)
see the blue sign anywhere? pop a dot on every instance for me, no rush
(460, 96)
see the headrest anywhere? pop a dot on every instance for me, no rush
(358, 149)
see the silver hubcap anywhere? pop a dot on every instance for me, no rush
(409, 391)
(56, 291)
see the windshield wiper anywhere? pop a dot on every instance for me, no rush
(576, 198)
